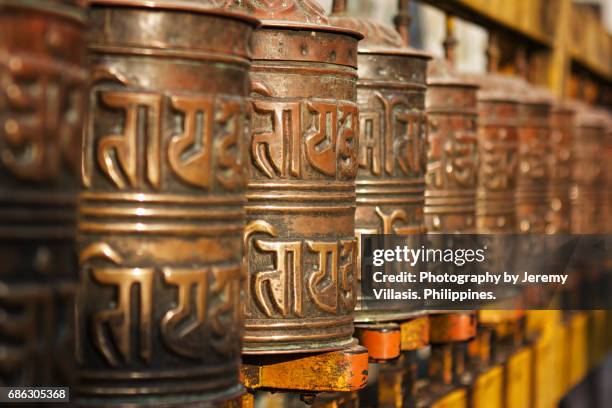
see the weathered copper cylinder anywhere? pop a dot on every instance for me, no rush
(558, 219)
(42, 90)
(587, 171)
(392, 144)
(533, 171)
(450, 189)
(450, 192)
(161, 212)
(300, 249)
(498, 119)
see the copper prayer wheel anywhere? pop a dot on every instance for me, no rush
(392, 144)
(450, 204)
(450, 193)
(42, 90)
(161, 212)
(558, 220)
(534, 136)
(300, 250)
(498, 119)
(587, 171)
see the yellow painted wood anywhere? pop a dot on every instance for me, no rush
(558, 66)
(544, 375)
(519, 379)
(488, 389)
(454, 399)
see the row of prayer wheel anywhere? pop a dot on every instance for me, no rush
(230, 155)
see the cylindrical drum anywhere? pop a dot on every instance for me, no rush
(587, 197)
(533, 161)
(42, 90)
(498, 119)
(392, 146)
(161, 212)
(558, 220)
(587, 171)
(450, 192)
(300, 250)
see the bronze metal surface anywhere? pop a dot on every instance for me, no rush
(392, 145)
(498, 119)
(450, 202)
(300, 250)
(588, 171)
(344, 370)
(558, 220)
(42, 90)
(534, 152)
(161, 211)
(450, 192)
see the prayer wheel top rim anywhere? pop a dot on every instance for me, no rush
(292, 14)
(494, 87)
(200, 6)
(588, 117)
(440, 74)
(378, 38)
(294, 25)
(530, 94)
(562, 107)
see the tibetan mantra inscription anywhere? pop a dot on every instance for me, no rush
(299, 243)
(161, 213)
(42, 88)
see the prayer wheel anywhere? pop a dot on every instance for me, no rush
(498, 119)
(558, 220)
(589, 278)
(587, 171)
(300, 247)
(161, 212)
(450, 206)
(392, 147)
(450, 193)
(533, 172)
(42, 91)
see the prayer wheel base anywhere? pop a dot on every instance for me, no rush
(338, 371)
(382, 340)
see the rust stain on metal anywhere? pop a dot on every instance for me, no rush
(452, 327)
(336, 371)
(415, 333)
(382, 340)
